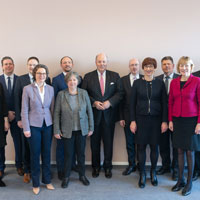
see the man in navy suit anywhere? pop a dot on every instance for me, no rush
(8, 81)
(59, 84)
(105, 92)
(167, 76)
(23, 81)
(127, 82)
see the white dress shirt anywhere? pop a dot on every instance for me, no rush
(41, 93)
(132, 78)
(11, 80)
(169, 80)
(104, 78)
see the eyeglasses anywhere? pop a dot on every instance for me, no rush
(41, 74)
(134, 65)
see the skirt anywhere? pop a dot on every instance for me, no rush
(148, 129)
(184, 136)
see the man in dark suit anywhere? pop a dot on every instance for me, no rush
(21, 82)
(8, 81)
(168, 70)
(105, 92)
(127, 82)
(196, 173)
(59, 84)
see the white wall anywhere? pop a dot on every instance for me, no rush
(121, 28)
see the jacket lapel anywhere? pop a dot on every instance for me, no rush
(96, 82)
(35, 89)
(66, 93)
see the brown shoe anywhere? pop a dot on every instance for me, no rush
(20, 171)
(27, 178)
(1, 174)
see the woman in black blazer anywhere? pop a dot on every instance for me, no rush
(148, 117)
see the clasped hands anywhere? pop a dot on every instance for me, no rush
(102, 105)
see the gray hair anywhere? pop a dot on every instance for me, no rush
(70, 74)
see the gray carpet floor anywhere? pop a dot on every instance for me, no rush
(118, 187)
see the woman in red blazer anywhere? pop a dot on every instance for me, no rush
(184, 120)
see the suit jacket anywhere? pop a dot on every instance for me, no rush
(59, 83)
(21, 82)
(125, 103)
(162, 76)
(185, 102)
(34, 112)
(63, 114)
(113, 93)
(142, 105)
(9, 99)
(3, 113)
(197, 73)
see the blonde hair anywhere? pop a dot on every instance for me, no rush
(184, 60)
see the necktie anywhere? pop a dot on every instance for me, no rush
(133, 79)
(102, 84)
(9, 86)
(167, 83)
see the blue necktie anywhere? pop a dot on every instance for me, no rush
(9, 86)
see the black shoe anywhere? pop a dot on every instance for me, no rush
(154, 180)
(187, 189)
(195, 176)
(178, 186)
(129, 170)
(95, 172)
(60, 175)
(108, 173)
(142, 180)
(1, 174)
(163, 170)
(175, 175)
(20, 171)
(65, 182)
(2, 184)
(84, 180)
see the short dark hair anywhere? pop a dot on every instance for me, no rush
(6, 58)
(38, 67)
(149, 61)
(167, 58)
(66, 57)
(33, 58)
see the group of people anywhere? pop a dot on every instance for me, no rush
(152, 110)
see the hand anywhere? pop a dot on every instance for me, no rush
(133, 127)
(27, 134)
(164, 127)
(11, 116)
(6, 126)
(197, 129)
(90, 133)
(57, 136)
(171, 126)
(122, 123)
(19, 124)
(106, 104)
(98, 105)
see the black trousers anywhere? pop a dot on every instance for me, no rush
(77, 142)
(130, 145)
(105, 132)
(165, 151)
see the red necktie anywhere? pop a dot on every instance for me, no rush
(102, 84)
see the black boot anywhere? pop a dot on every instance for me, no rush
(179, 185)
(154, 180)
(142, 180)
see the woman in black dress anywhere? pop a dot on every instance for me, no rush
(4, 126)
(148, 117)
(184, 120)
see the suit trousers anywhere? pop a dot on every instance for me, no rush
(17, 140)
(130, 145)
(26, 153)
(105, 132)
(77, 142)
(2, 159)
(40, 143)
(165, 151)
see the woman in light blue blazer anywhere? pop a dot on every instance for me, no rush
(73, 121)
(37, 109)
